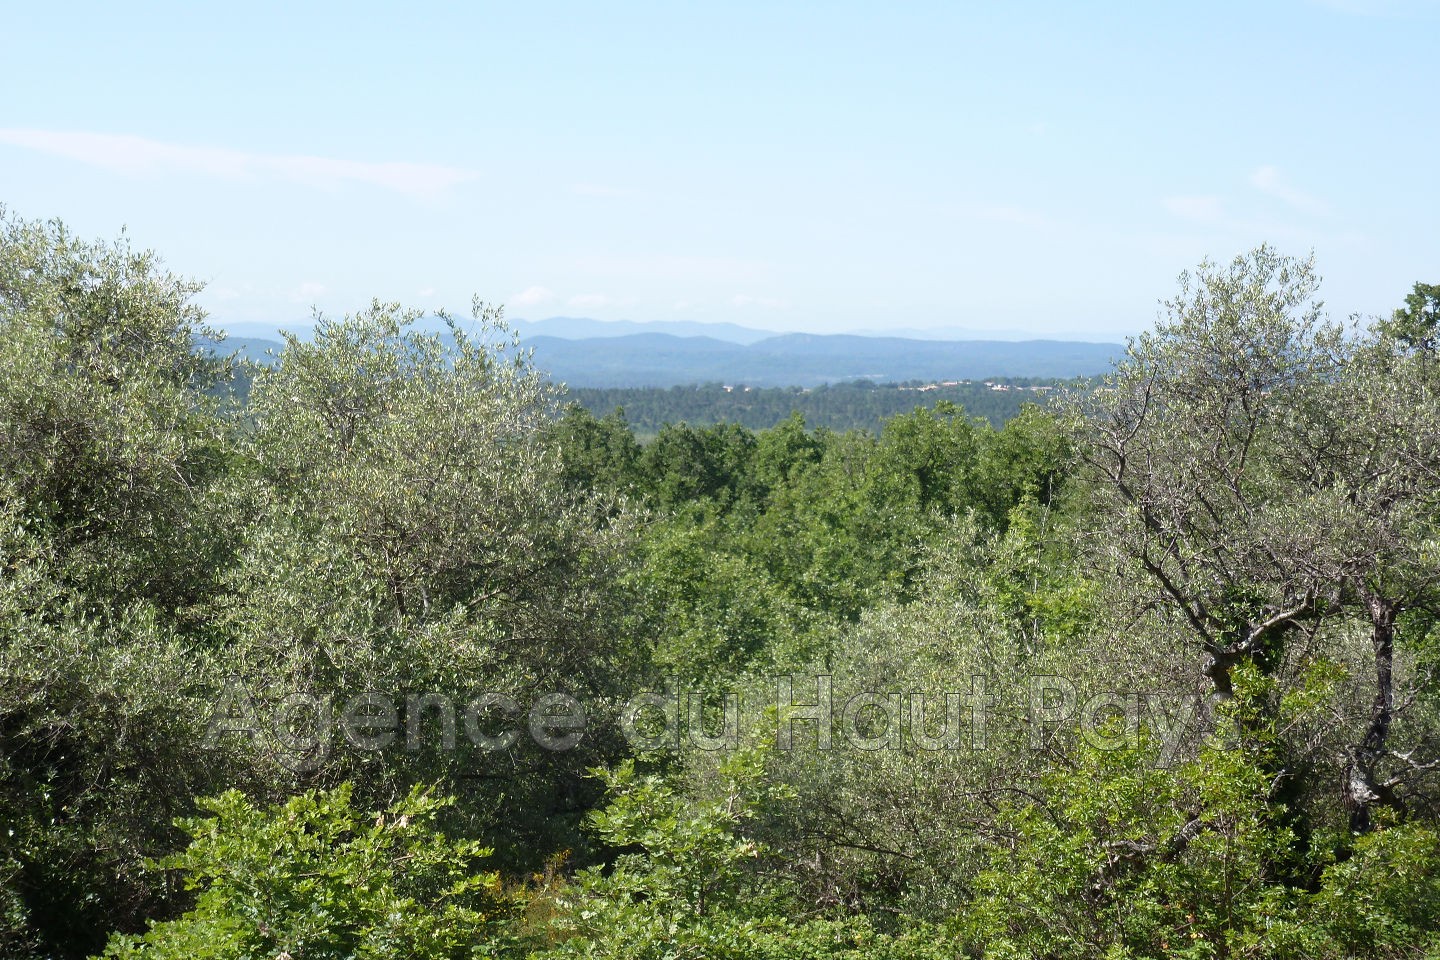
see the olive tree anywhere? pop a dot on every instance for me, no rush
(1272, 476)
(416, 539)
(109, 434)
(113, 453)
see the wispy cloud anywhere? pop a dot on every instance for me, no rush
(531, 296)
(1199, 209)
(1269, 180)
(139, 156)
(589, 300)
(745, 300)
(308, 292)
(597, 190)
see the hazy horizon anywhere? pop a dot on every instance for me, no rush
(623, 326)
(1032, 171)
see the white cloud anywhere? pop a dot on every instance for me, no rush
(123, 153)
(1200, 209)
(1270, 180)
(308, 291)
(531, 296)
(745, 300)
(426, 292)
(589, 300)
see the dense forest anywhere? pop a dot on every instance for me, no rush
(406, 655)
(853, 405)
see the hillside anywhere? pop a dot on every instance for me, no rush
(856, 405)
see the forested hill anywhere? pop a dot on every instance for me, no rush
(857, 405)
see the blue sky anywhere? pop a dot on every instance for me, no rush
(1014, 169)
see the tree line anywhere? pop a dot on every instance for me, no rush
(852, 405)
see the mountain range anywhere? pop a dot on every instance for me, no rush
(808, 360)
(624, 354)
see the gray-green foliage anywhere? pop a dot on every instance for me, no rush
(418, 459)
(387, 517)
(1273, 479)
(414, 537)
(900, 805)
(108, 436)
(1189, 439)
(113, 452)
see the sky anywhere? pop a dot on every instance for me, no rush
(1011, 170)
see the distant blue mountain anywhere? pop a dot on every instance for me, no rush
(583, 328)
(807, 360)
(657, 359)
